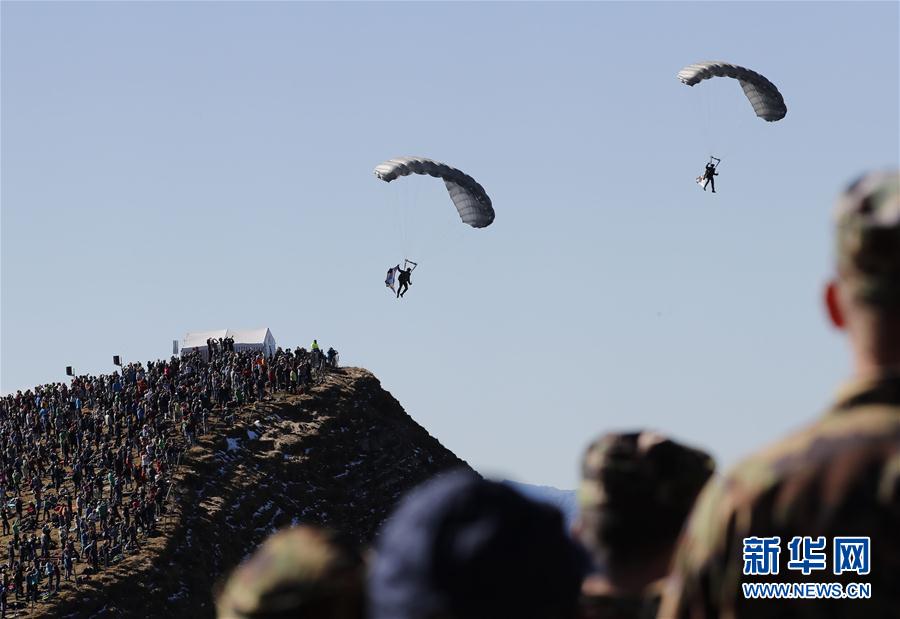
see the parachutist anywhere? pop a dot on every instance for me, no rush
(404, 282)
(709, 174)
(404, 277)
(468, 196)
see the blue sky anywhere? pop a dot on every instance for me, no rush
(174, 167)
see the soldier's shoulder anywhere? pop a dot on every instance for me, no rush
(832, 477)
(868, 433)
(854, 453)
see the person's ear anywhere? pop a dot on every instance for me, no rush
(833, 305)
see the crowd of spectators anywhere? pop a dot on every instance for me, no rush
(86, 467)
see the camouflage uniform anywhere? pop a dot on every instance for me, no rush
(616, 605)
(302, 573)
(838, 477)
(636, 492)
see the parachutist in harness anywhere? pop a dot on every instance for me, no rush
(468, 197)
(709, 174)
(404, 277)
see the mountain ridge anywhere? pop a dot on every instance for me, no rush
(339, 456)
(565, 501)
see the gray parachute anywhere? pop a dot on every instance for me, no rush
(468, 196)
(767, 102)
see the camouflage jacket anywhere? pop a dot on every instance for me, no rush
(619, 606)
(838, 477)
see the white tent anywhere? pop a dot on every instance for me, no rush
(244, 339)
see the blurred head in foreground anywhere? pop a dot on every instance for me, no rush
(303, 573)
(460, 547)
(636, 492)
(864, 296)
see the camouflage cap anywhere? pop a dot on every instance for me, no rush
(868, 237)
(300, 572)
(638, 485)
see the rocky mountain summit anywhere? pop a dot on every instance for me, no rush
(340, 455)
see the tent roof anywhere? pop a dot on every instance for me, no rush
(248, 336)
(197, 339)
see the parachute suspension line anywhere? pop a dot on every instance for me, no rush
(396, 215)
(746, 127)
(707, 122)
(391, 201)
(413, 229)
(471, 202)
(389, 215)
(764, 98)
(439, 246)
(434, 225)
(403, 207)
(420, 227)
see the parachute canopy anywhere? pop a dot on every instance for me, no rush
(767, 102)
(468, 196)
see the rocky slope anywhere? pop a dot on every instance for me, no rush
(340, 456)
